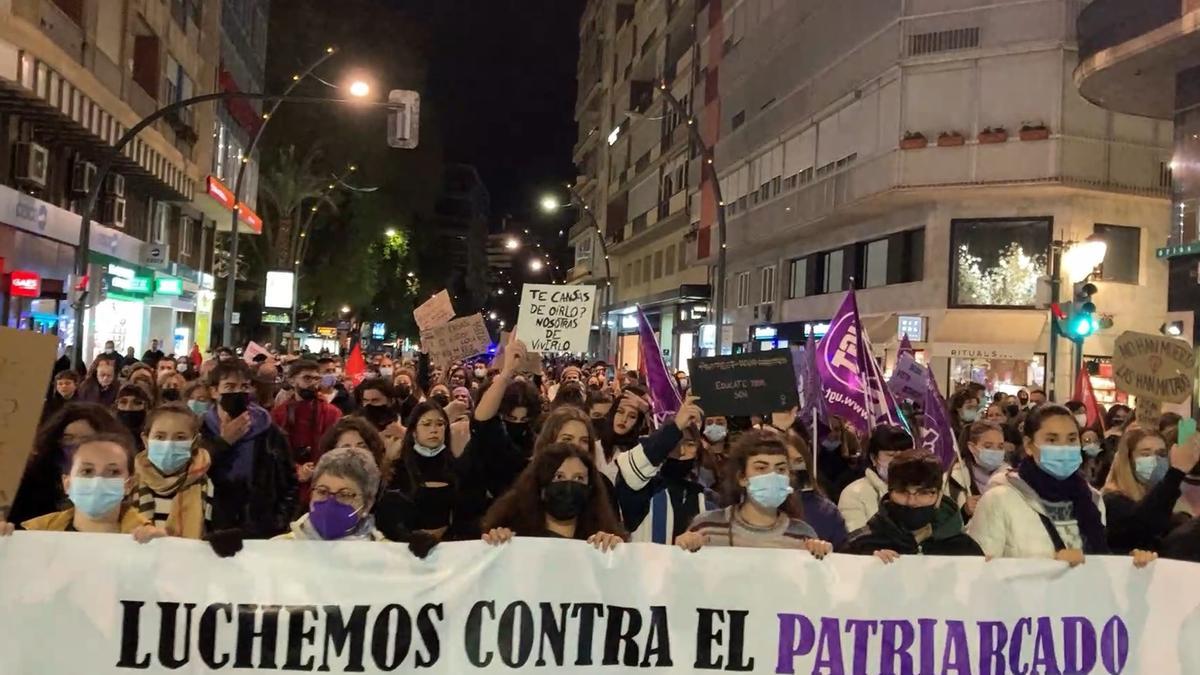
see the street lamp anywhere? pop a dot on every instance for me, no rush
(390, 232)
(535, 265)
(1080, 259)
(550, 204)
(492, 316)
(359, 89)
(512, 244)
(345, 309)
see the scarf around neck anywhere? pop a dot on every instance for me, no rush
(185, 488)
(1073, 489)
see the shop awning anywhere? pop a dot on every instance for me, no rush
(990, 333)
(217, 202)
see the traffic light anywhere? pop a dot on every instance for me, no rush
(1082, 321)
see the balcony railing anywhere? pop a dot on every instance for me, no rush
(1108, 23)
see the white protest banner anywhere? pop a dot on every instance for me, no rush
(908, 379)
(554, 319)
(83, 603)
(26, 359)
(434, 312)
(460, 339)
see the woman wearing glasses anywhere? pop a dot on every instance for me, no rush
(914, 516)
(344, 485)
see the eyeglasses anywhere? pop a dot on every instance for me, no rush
(347, 497)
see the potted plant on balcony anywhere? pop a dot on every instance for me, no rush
(949, 139)
(1034, 131)
(913, 140)
(993, 135)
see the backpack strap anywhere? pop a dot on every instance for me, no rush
(1051, 530)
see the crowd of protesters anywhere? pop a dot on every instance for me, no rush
(412, 451)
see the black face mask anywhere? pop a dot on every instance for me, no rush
(440, 399)
(912, 518)
(565, 499)
(132, 419)
(678, 469)
(235, 403)
(307, 394)
(404, 390)
(170, 394)
(380, 416)
(518, 432)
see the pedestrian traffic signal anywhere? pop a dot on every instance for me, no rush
(1082, 321)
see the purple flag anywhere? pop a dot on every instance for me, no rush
(937, 436)
(906, 348)
(664, 394)
(852, 385)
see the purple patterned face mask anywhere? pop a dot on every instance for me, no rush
(333, 519)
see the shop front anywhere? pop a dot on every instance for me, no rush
(676, 317)
(119, 313)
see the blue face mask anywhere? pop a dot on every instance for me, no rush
(715, 433)
(1091, 449)
(769, 490)
(169, 456)
(199, 407)
(831, 442)
(96, 496)
(968, 414)
(1060, 461)
(990, 458)
(1150, 470)
(428, 452)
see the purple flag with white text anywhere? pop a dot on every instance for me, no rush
(906, 347)
(663, 391)
(852, 385)
(937, 436)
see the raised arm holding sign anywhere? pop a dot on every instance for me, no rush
(556, 319)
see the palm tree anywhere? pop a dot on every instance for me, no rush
(292, 190)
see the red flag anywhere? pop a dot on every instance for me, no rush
(356, 367)
(196, 357)
(1084, 394)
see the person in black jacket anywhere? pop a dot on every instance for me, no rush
(254, 479)
(914, 516)
(1142, 488)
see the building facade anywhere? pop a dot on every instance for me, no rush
(931, 156)
(1144, 59)
(74, 76)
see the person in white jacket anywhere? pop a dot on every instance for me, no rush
(860, 500)
(1044, 508)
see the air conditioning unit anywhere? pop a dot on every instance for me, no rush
(31, 163)
(114, 185)
(113, 212)
(83, 177)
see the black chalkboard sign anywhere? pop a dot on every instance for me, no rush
(756, 383)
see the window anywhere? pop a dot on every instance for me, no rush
(1124, 252)
(146, 61)
(875, 263)
(767, 291)
(743, 289)
(160, 212)
(906, 257)
(739, 119)
(583, 250)
(799, 278)
(831, 272)
(682, 255)
(185, 236)
(628, 274)
(646, 270)
(997, 262)
(669, 256)
(658, 264)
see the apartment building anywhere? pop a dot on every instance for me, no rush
(75, 75)
(1142, 59)
(931, 155)
(637, 169)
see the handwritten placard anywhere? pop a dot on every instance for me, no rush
(457, 340)
(434, 312)
(908, 380)
(745, 384)
(556, 319)
(1155, 366)
(26, 360)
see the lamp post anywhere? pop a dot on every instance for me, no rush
(1078, 260)
(706, 160)
(231, 279)
(550, 204)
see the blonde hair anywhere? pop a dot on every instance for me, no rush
(1121, 477)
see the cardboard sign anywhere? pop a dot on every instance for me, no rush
(1148, 412)
(434, 312)
(908, 380)
(26, 361)
(460, 339)
(1156, 366)
(556, 319)
(745, 384)
(252, 350)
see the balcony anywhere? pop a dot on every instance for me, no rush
(1108, 23)
(580, 271)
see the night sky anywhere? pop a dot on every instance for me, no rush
(502, 73)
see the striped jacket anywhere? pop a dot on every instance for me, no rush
(653, 508)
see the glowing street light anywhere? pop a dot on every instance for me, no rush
(550, 204)
(535, 265)
(359, 89)
(492, 316)
(390, 232)
(411, 275)
(1082, 258)
(345, 309)
(512, 244)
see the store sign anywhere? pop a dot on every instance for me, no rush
(225, 197)
(127, 279)
(763, 332)
(279, 290)
(277, 317)
(912, 326)
(971, 351)
(168, 286)
(379, 331)
(327, 331)
(817, 329)
(25, 284)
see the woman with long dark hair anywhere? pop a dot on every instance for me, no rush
(559, 495)
(626, 422)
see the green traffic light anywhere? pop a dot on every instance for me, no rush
(1083, 325)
